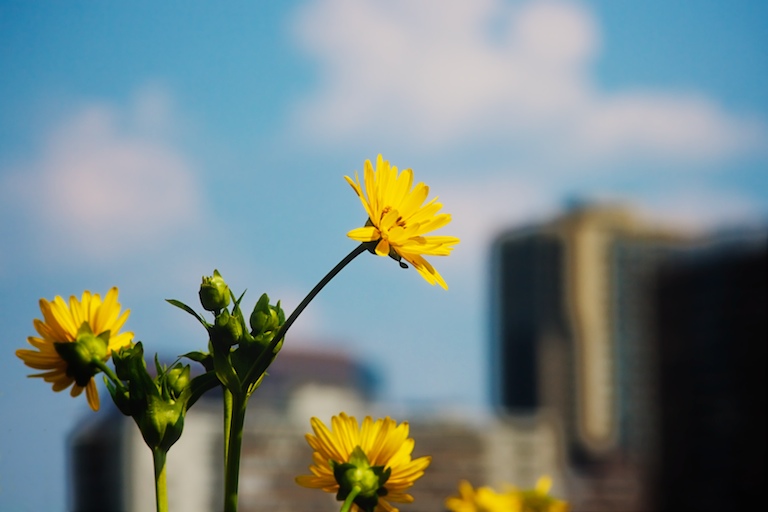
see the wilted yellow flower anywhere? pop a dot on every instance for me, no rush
(85, 323)
(398, 219)
(384, 443)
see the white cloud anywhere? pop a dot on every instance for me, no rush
(485, 207)
(439, 72)
(673, 127)
(106, 182)
(704, 210)
(482, 209)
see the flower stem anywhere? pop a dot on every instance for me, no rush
(227, 421)
(161, 488)
(347, 505)
(304, 303)
(101, 365)
(239, 399)
(234, 446)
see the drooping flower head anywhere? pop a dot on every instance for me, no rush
(376, 456)
(398, 218)
(71, 336)
(485, 499)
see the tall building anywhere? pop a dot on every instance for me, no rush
(648, 347)
(573, 328)
(713, 332)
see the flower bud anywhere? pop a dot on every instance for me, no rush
(226, 331)
(214, 292)
(156, 405)
(265, 318)
(162, 422)
(177, 379)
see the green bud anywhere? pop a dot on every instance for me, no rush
(162, 422)
(227, 330)
(130, 365)
(265, 318)
(120, 396)
(177, 379)
(214, 292)
(156, 405)
(81, 353)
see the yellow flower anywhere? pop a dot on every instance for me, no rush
(383, 442)
(484, 499)
(398, 219)
(65, 323)
(539, 500)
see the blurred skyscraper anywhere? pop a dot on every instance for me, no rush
(578, 322)
(713, 331)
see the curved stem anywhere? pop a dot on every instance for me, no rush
(347, 505)
(101, 365)
(304, 303)
(161, 489)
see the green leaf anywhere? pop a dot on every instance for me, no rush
(189, 310)
(202, 384)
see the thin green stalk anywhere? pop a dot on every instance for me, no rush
(227, 421)
(101, 365)
(347, 505)
(161, 487)
(234, 447)
(234, 437)
(304, 303)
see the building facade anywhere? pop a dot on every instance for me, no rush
(598, 319)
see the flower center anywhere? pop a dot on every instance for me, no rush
(398, 222)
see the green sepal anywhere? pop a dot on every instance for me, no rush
(359, 474)
(204, 358)
(81, 353)
(163, 422)
(176, 381)
(121, 397)
(227, 330)
(130, 366)
(156, 405)
(222, 365)
(265, 320)
(201, 385)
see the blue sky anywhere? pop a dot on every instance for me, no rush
(142, 146)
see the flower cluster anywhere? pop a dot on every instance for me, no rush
(368, 465)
